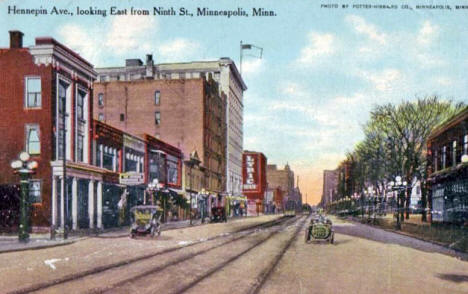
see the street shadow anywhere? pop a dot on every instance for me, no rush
(453, 278)
(340, 242)
(383, 236)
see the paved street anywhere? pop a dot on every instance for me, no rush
(266, 254)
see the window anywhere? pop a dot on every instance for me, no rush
(79, 149)
(101, 99)
(122, 117)
(35, 191)
(101, 117)
(80, 105)
(465, 144)
(157, 97)
(33, 92)
(157, 117)
(33, 144)
(444, 157)
(98, 155)
(454, 153)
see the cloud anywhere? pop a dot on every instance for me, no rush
(428, 33)
(129, 33)
(252, 66)
(178, 50)
(383, 80)
(319, 46)
(73, 36)
(361, 26)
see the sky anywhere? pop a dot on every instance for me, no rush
(321, 72)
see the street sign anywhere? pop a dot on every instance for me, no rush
(131, 178)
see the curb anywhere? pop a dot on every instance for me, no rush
(463, 257)
(45, 246)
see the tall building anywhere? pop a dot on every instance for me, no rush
(189, 112)
(330, 186)
(225, 73)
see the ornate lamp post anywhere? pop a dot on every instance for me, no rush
(398, 186)
(24, 167)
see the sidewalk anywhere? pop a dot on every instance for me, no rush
(10, 243)
(454, 239)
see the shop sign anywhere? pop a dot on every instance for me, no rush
(133, 143)
(250, 164)
(131, 178)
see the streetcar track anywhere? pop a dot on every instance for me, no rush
(172, 263)
(230, 260)
(100, 269)
(265, 274)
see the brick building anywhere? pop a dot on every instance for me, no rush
(282, 178)
(178, 80)
(47, 99)
(188, 113)
(448, 170)
(35, 82)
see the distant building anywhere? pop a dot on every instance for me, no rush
(330, 186)
(448, 170)
(282, 179)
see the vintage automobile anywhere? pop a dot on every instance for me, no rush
(320, 228)
(145, 220)
(218, 209)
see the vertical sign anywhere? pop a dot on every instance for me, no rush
(250, 172)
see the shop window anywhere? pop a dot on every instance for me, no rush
(33, 92)
(35, 191)
(33, 144)
(465, 144)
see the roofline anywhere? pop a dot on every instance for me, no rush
(50, 40)
(459, 117)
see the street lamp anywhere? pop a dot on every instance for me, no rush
(24, 167)
(191, 163)
(398, 186)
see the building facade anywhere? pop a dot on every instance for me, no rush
(448, 170)
(89, 174)
(229, 81)
(46, 96)
(330, 185)
(189, 113)
(282, 179)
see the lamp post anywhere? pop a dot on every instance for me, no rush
(24, 167)
(191, 163)
(398, 186)
(202, 204)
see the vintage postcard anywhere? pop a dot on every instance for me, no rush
(234, 146)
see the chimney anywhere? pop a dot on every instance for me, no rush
(149, 66)
(16, 39)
